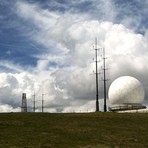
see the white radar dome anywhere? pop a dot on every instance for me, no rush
(126, 90)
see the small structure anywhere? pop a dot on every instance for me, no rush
(126, 93)
(24, 103)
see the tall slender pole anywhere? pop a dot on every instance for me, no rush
(97, 95)
(104, 72)
(42, 101)
(34, 101)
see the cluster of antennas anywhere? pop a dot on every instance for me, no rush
(104, 76)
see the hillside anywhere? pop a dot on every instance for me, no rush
(90, 130)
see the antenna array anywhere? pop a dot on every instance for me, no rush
(104, 79)
(97, 73)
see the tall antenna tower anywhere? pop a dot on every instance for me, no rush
(104, 79)
(24, 103)
(96, 61)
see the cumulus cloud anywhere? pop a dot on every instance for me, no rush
(63, 72)
(9, 108)
(13, 85)
(45, 19)
(125, 48)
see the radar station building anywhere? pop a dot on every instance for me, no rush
(126, 93)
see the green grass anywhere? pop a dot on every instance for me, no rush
(90, 130)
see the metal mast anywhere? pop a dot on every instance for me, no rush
(42, 101)
(34, 102)
(104, 79)
(24, 103)
(96, 60)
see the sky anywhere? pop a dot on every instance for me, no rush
(46, 47)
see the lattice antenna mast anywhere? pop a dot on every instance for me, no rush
(24, 103)
(104, 79)
(96, 61)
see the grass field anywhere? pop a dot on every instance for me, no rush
(89, 130)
